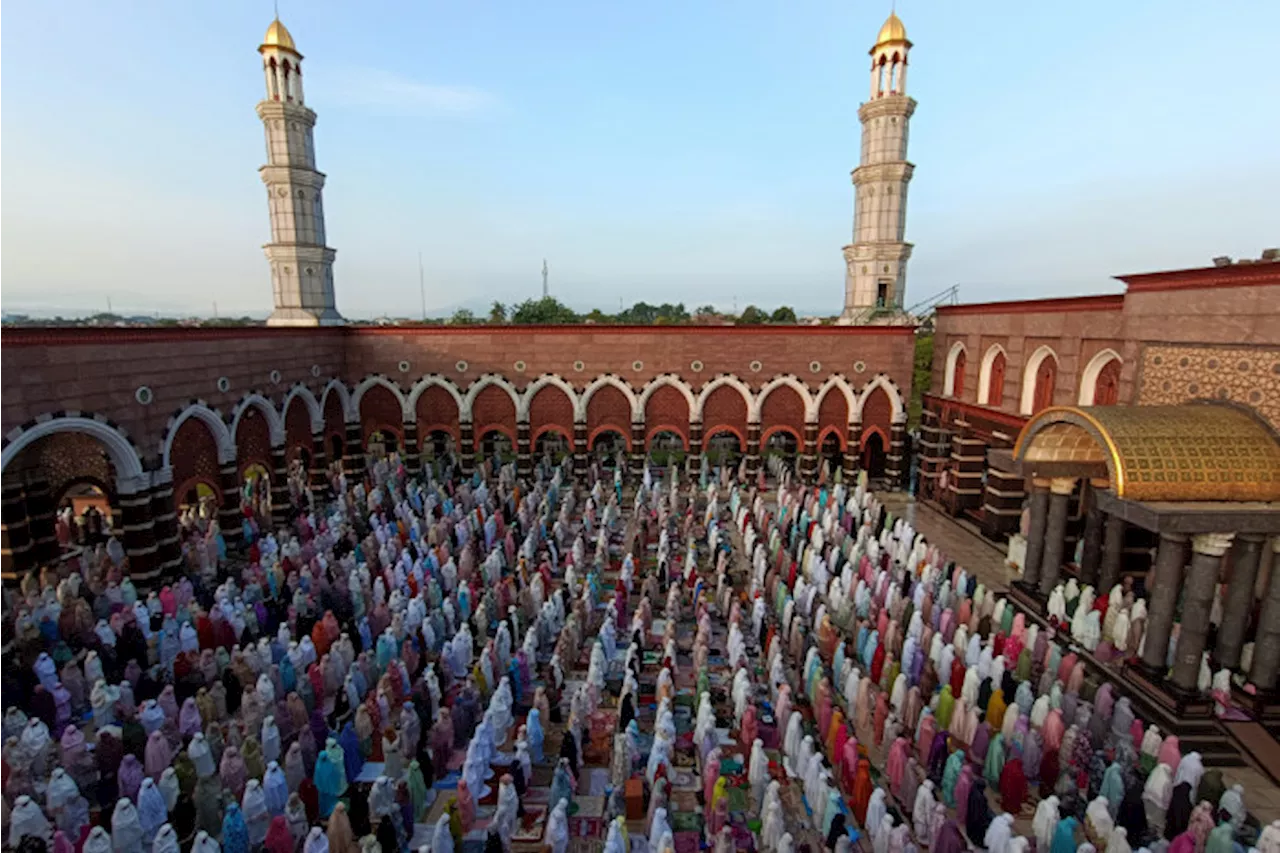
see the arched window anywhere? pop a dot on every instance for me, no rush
(1039, 378)
(995, 380)
(953, 378)
(1100, 382)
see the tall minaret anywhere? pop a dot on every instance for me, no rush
(301, 264)
(876, 275)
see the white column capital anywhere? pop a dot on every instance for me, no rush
(1062, 485)
(1212, 544)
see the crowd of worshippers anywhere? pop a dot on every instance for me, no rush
(235, 708)
(896, 652)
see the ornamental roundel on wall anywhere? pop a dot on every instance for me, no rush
(756, 366)
(519, 366)
(143, 395)
(404, 366)
(461, 366)
(1174, 374)
(224, 384)
(579, 366)
(695, 366)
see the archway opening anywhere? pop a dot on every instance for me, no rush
(439, 445)
(552, 447)
(201, 498)
(832, 454)
(337, 450)
(783, 446)
(1106, 389)
(723, 448)
(497, 446)
(873, 454)
(255, 489)
(608, 447)
(666, 448)
(68, 480)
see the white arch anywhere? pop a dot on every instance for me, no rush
(1028, 395)
(420, 388)
(838, 382)
(637, 414)
(1028, 399)
(130, 476)
(666, 379)
(949, 375)
(370, 382)
(810, 402)
(984, 372)
(314, 412)
(212, 420)
(753, 413)
(344, 397)
(479, 385)
(880, 380)
(1089, 380)
(522, 410)
(275, 424)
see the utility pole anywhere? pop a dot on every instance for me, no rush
(215, 309)
(422, 286)
(108, 304)
(545, 292)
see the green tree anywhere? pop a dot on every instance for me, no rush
(598, 316)
(547, 311)
(752, 316)
(785, 314)
(497, 313)
(921, 376)
(463, 317)
(706, 311)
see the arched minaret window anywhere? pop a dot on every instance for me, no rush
(297, 82)
(895, 69)
(883, 74)
(273, 83)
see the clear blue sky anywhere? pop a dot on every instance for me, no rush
(663, 150)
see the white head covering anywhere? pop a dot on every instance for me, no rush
(441, 839)
(318, 842)
(126, 829)
(206, 844)
(166, 840)
(27, 819)
(98, 841)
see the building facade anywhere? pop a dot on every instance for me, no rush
(1170, 337)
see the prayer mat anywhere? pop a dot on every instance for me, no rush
(683, 821)
(448, 782)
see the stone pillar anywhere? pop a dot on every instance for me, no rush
(281, 497)
(524, 449)
(319, 474)
(1266, 647)
(580, 452)
(229, 514)
(852, 452)
(164, 514)
(809, 460)
(1091, 551)
(695, 439)
(412, 448)
(1171, 558)
(1055, 531)
(1035, 535)
(753, 450)
(934, 447)
(42, 521)
(894, 462)
(15, 536)
(467, 447)
(636, 457)
(1208, 550)
(353, 461)
(1112, 554)
(140, 538)
(1246, 553)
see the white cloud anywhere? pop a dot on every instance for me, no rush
(386, 90)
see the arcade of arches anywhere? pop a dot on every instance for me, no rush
(76, 479)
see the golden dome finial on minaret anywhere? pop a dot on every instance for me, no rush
(278, 36)
(893, 32)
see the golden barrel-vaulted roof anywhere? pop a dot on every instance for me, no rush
(892, 32)
(278, 36)
(1193, 452)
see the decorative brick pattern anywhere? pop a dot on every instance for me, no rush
(297, 425)
(551, 406)
(437, 410)
(724, 408)
(1249, 375)
(195, 460)
(253, 440)
(380, 411)
(668, 409)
